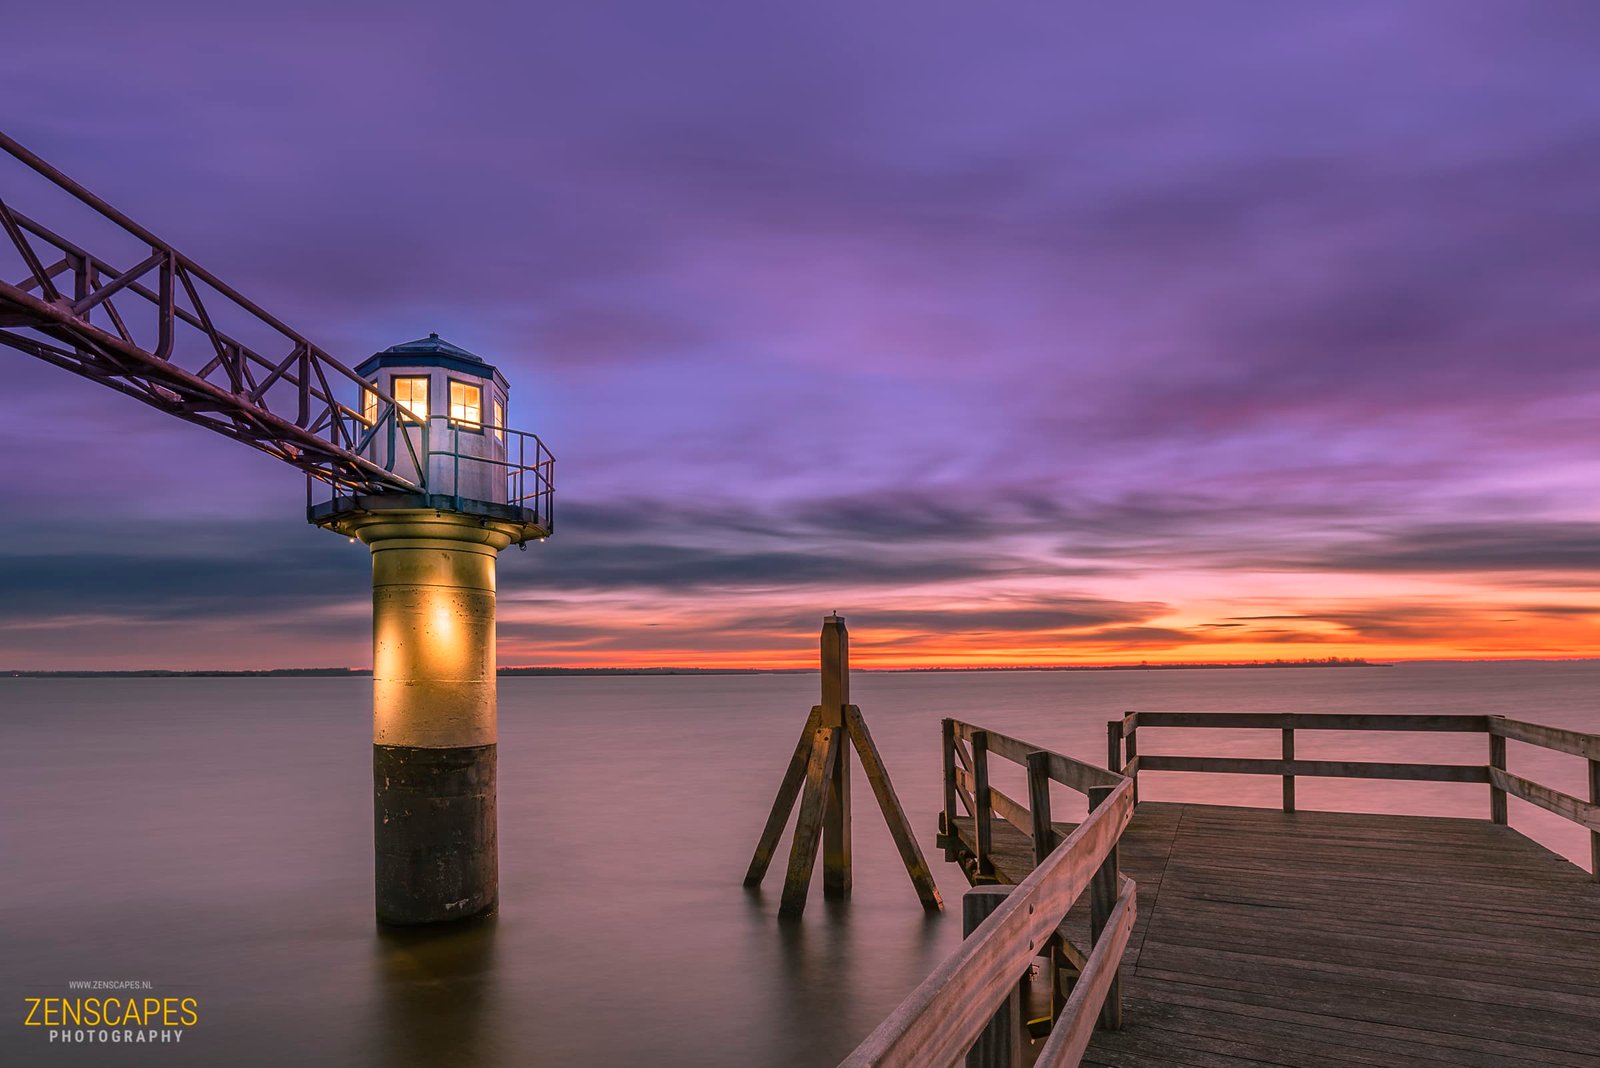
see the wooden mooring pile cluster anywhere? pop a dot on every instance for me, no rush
(818, 776)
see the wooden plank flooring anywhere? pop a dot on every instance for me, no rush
(1317, 939)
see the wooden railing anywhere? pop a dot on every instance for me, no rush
(1124, 755)
(969, 1007)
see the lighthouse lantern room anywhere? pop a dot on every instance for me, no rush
(452, 405)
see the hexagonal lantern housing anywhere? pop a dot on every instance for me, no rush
(445, 432)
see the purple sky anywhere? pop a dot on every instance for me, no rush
(1014, 332)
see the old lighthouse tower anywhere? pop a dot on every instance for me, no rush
(435, 415)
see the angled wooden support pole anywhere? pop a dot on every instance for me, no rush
(808, 826)
(794, 777)
(905, 839)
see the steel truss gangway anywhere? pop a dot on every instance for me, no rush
(136, 315)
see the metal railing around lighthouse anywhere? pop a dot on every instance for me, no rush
(429, 452)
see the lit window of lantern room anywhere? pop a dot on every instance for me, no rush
(500, 421)
(369, 407)
(411, 394)
(466, 404)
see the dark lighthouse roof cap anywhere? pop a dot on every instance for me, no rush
(432, 345)
(431, 351)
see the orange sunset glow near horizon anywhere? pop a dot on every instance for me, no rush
(1490, 625)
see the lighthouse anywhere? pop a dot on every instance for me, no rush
(435, 415)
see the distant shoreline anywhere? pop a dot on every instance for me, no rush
(512, 672)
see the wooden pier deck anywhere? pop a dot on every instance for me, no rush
(1313, 939)
(1162, 935)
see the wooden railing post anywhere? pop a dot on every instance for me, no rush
(1102, 899)
(1114, 745)
(1594, 836)
(1288, 780)
(983, 830)
(1044, 833)
(1000, 1044)
(948, 820)
(1497, 796)
(1044, 843)
(1130, 753)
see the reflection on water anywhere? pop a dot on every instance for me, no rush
(428, 973)
(213, 837)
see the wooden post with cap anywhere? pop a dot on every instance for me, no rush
(835, 695)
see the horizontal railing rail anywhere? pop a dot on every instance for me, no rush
(1322, 721)
(1124, 756)
(1555, 738)
(1340, 769)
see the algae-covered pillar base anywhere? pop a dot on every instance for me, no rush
(433, 712)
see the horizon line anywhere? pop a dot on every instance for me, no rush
(664, 669)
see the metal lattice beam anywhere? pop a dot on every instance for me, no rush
(166, 332)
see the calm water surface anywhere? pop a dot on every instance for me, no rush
(213, 837)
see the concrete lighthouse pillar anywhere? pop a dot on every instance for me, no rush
(433, 712)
